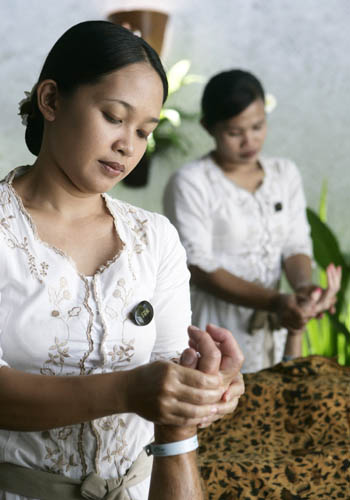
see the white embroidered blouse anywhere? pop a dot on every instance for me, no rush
(222, 225)
(54, 321)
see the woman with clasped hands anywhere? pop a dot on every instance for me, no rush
(241, 218)
(94, 298)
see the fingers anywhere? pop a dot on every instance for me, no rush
(222, 410)
(294, 319)
(232, 356)
(316, 295)
(189, 358)
(308, 305)
(230, 359)
(199, 380)
(235, 389)
(210, 356)
(188, 415)
(293, 310)
(199, 397)
(328, 298)
(334, 274)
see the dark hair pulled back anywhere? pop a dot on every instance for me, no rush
(82, 55)
(229, 93)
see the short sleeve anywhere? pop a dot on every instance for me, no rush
(186, 204)
(171, 299)
(298, 240)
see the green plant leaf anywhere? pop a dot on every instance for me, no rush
(329, 336)
(323, 202)
(326, 248)
(339, 326)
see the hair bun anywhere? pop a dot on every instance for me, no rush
(25, 107)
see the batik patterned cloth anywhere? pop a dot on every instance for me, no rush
(289, 438)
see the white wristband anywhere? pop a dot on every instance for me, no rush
(170, 449)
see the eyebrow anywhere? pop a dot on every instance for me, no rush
(233, 127)
(131, 108)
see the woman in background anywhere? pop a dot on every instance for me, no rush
(94, 296)
(241, 218)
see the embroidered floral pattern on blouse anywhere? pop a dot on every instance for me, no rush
(139, 228)
(122, 353)
(58, 352)
(57, 296)
(12, 241)
(117, 454)
(4, 198)
(125, 351)
(58, 461)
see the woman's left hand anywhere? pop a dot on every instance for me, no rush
(324, 299)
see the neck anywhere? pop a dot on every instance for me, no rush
(235, 167)
(47, 188)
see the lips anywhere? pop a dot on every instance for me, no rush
(112, 166)
(248, 154)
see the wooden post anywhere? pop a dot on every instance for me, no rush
(150, 23)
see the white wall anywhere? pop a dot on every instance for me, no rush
(298, 48)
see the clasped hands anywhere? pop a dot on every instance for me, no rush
(215, 351)
(309, 301)
(202, 387)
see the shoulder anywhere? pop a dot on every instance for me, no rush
(284, 168)
(5, 198)
(196, 173)
(149, 227)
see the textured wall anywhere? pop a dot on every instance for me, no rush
(298, 48)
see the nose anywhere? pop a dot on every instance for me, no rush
(248, 138)
(124, 144)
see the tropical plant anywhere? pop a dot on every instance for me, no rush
(330, 335)
(169, 132)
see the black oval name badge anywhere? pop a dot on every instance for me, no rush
(143, 313)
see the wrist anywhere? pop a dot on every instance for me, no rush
(304, 286)
(174, 448)
(125, 387)
(171, 433)
(293, 344)
(275, 301)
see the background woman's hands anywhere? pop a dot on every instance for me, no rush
(308, 302)
(295, 310)
(324, 299)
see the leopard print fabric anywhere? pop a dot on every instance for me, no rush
(289, 438)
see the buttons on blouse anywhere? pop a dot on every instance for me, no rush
(278, 206)
(142, 314)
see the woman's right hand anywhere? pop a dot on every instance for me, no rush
(293, 311)
(325, 298)
(167, 393)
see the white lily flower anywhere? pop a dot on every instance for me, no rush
(151, 143)
(176, 74)
(172, 115)
(270, 103)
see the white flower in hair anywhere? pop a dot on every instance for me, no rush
(270, 103)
